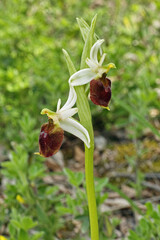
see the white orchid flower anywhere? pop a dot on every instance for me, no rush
(95, 70)
(51, 135)
(100, 86)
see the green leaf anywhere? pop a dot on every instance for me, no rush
(70, 65)
(70, 201)
(79, 178)
(149, 208)
(70, 175)
(36, 171)
(75, 178)
(64, 210)
(84, 28)
(100, 184)
(42, 217)
(103, 198)
(109, 227)
(12, 229)
(27, 223)
(23, 235)
(51, 190)
(37, 236)
(85, 223)
(133, 236)
(158, 210)
(16, 224)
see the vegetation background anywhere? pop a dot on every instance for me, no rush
(33, 75)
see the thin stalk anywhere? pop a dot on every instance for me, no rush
(91, 193)
(86, 120)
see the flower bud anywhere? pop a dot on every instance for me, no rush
(50, 139)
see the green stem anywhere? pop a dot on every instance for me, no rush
(86, 120)
(91, 193)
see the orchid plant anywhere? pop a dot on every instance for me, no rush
(100, 85)
(51, 135)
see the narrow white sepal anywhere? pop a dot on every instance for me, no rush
(64, 114)
(58, 105)
(94, 50)
(102, 59)
(82, 77)
(72, 98)
(91, 64)
(72, 126)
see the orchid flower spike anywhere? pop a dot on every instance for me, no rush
(100, 86)
(51, 135)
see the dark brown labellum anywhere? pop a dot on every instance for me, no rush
(100, 91)
(50, 139)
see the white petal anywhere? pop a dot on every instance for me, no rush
(102, 59)
(72, 126)
(63, 114)
(91, 64)
(94, 50)
(58, 104)
(72, 98)
(82, 77)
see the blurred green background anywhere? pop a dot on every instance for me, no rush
(33, 75)
(33, 72)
